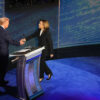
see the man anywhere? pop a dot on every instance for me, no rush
(5, 40)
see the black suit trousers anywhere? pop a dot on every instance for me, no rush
(3, 66)
(43, 66)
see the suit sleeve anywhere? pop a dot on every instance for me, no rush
(50, 44)
(35, 34)
(10, 40)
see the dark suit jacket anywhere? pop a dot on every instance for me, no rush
(5, 40)
(43, 40)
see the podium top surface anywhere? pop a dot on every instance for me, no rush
(28, 53)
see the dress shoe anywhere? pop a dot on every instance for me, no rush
(49, 76)
(41, 79)
(3, 83)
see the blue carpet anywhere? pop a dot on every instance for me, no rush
(73, 79)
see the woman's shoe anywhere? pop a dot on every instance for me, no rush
(41, 79)
(49, 76)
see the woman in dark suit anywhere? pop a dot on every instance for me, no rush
(44, 39)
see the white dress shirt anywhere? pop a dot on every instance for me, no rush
(41, 32)
(2, 26)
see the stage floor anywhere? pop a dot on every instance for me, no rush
(76, 78)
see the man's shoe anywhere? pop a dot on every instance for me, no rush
(3, 83)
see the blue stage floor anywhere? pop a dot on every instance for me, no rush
(75, 78)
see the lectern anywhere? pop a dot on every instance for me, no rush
(28, 61)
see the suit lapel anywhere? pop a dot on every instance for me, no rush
(42, 33)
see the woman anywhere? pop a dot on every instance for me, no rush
(44, 39)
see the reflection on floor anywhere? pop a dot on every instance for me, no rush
(73, 79)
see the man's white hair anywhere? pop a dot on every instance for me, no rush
(3, 20)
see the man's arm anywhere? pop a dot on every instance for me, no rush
(12, 41)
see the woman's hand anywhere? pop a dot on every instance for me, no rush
(51, 55)
(24, 40)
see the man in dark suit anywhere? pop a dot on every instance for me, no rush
(5, 40)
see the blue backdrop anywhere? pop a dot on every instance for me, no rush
(79, 22)
(1, 8)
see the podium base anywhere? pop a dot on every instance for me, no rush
(37, 94)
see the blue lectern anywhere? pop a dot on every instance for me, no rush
(28, 62)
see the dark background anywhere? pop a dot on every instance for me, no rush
(74, 24)
(2, 8)
(24, 16)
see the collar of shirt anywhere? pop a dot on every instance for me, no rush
(2, 26)
(41, 32)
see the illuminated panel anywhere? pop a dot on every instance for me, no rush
(79, 22)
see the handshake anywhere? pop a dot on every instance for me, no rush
(22, 41)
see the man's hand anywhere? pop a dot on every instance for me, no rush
(51, 55)
(22, 41)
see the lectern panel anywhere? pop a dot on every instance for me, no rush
(36, 73)
(20, 77)
(28, 73)
(32, 77)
